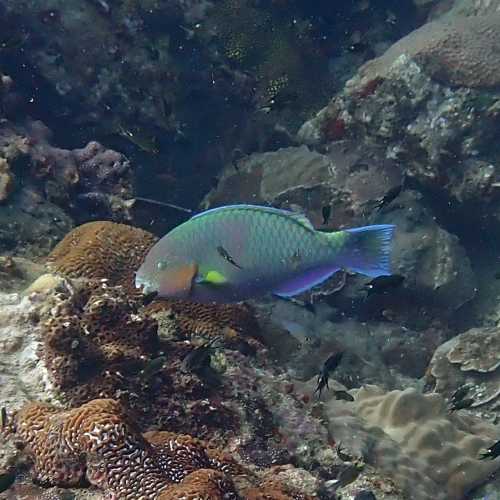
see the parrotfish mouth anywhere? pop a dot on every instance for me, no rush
(142, 283)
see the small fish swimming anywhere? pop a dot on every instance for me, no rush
(187, 263)
(329, 366)
(492, 452)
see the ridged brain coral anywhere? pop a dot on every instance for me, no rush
(98, 442)
(102, 250)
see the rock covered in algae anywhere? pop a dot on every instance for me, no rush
(471, 360)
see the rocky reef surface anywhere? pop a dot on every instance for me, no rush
(394, 119)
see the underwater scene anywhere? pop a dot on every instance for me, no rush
(250, 249)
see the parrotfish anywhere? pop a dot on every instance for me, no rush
(238, 252)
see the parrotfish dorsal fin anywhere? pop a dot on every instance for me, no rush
(299, 217)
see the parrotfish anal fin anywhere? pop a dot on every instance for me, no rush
(305, 281)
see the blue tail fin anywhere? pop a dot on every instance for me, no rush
(367, 250)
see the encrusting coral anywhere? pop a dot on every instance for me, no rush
(94, 330)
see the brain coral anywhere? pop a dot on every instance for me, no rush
(462, 52)
(431, 453)
(102, 250)
(190, 318)
(99, 442)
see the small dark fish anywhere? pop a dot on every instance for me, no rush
(236, 155)
(224, 253)
(492, 452)
(326, 212)
(328, 366)
(459, 394)
(141, 138)
(391, 195)
(461, 404)
(152, 368)
(383, 284)
(343, 455)
(348, 475)
(199, 357)
(3, 418)
(148, 298)
(343, 395)
(333, 362)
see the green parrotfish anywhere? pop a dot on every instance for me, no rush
(238, 252)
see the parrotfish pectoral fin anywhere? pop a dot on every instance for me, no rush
(212, 278)
(368, 250)
(178, 280)
(305, 281)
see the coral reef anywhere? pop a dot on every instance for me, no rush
(431, 453)
(94, 330)
(43, 188)
(99, 443)
(439, 129)
(93, 180)
(102, 250)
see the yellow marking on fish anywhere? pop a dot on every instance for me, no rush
(214, 278)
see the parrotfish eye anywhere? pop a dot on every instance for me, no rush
(162, 265)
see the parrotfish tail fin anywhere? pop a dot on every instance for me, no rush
(367, 250)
